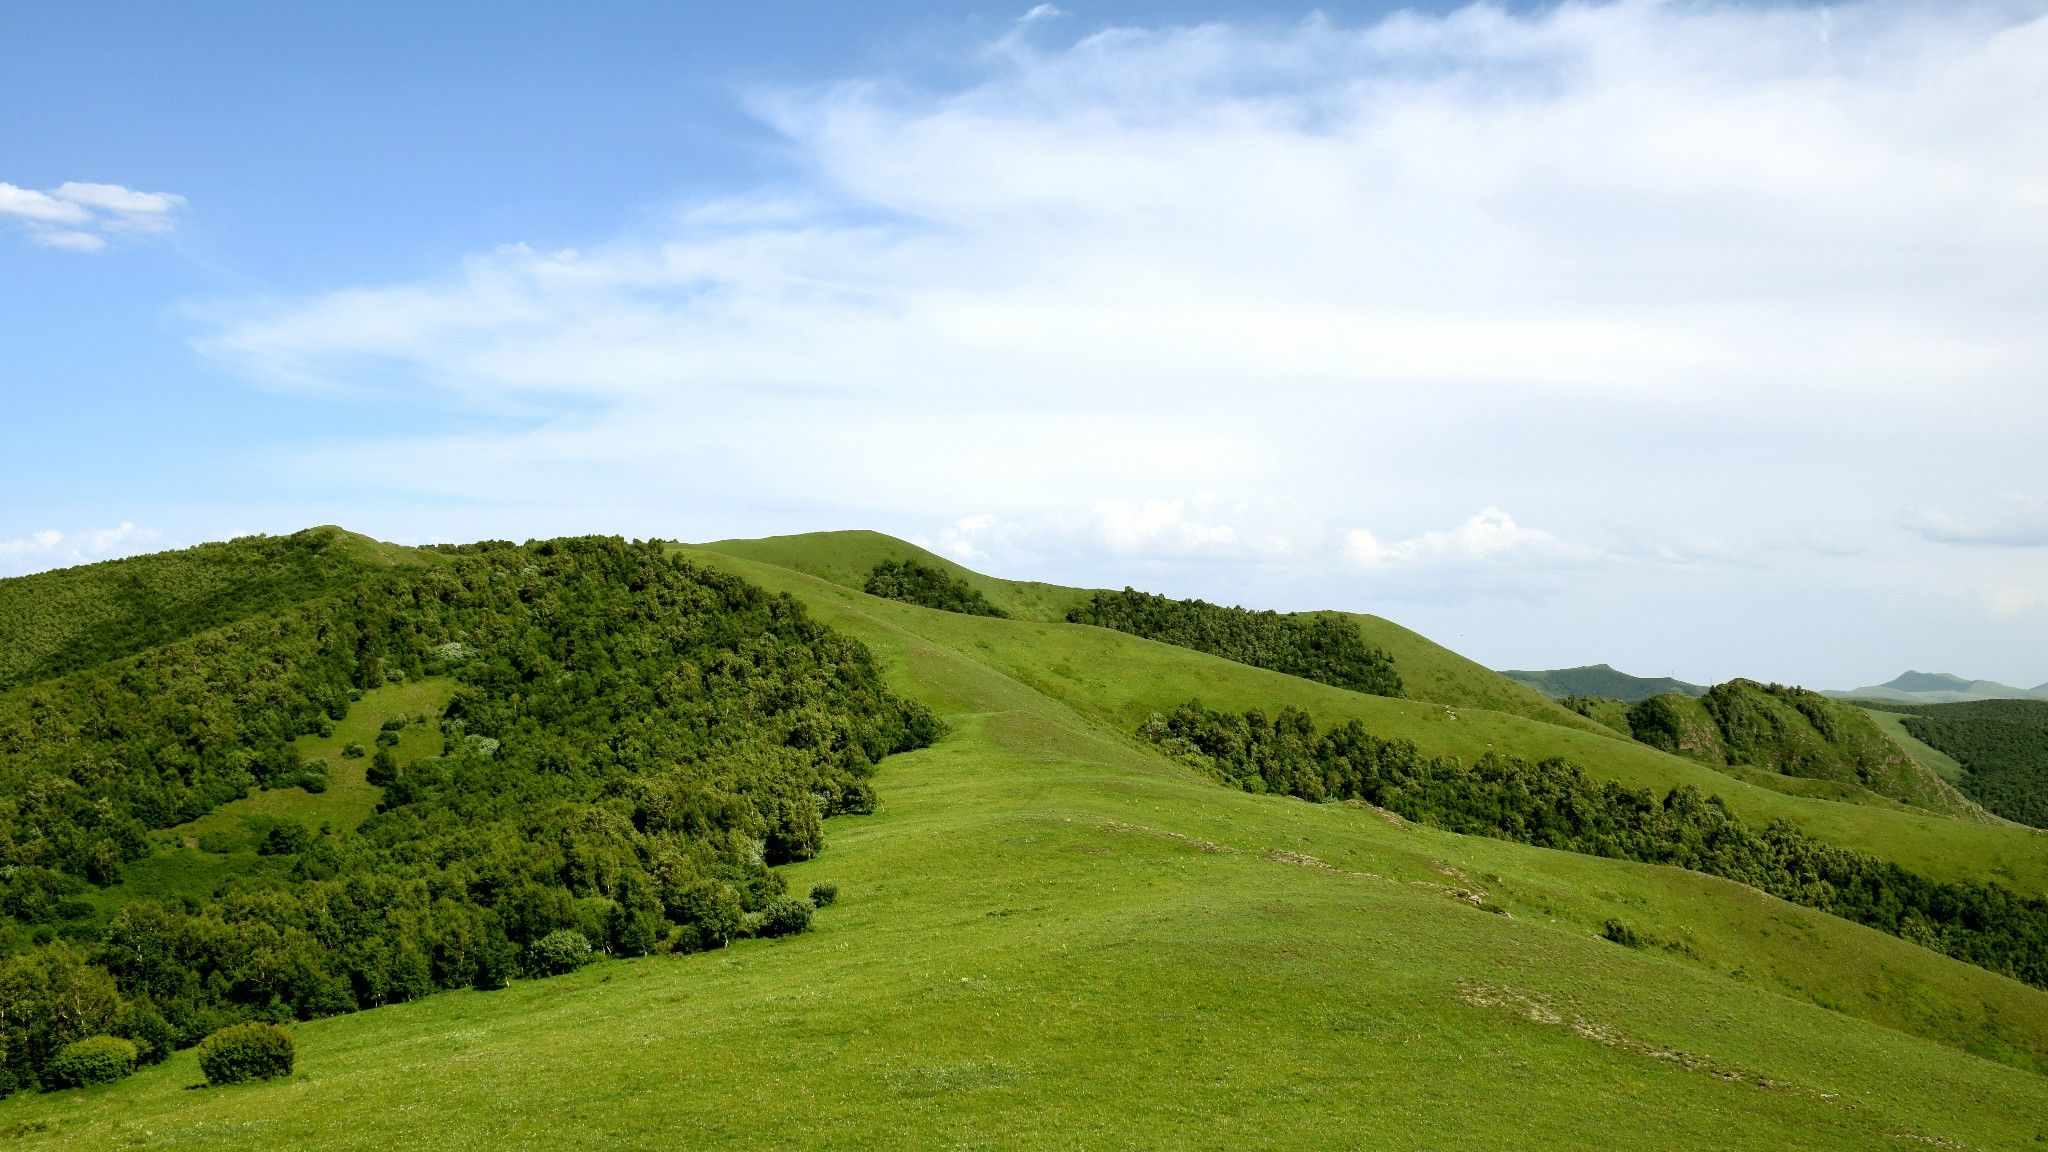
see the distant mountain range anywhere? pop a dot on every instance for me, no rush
(1908, 688)
(1601, 680)
(1941, 688)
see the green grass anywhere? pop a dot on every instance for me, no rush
(1048, 937)
(194, 858)
(1940, 763)
(1428, 670)
(1119, 680)
(350, 799)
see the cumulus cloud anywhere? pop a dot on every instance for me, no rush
(1489, 538)
(1197, 529)
(54, 548)
(2018, 522)
(80, 216)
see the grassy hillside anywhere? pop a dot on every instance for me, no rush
(1601, 680)
(75, 618)
(1940, 688)
(1049, 937)
(1120, 680)
(1428, 670)
(1940, 763)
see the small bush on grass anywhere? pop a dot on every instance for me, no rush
(563, 950)
(246, 1052)
(93, 1060)
(353, 752)
(823, 894)
(1621, 934)
(784, 917)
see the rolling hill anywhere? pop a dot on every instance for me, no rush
(1940, 688)
(1601, 680)
(1048, 934)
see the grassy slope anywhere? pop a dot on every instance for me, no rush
(1934, 759)
(1428, 670)
(1119, 680)
(180, 866)
(1050, 938)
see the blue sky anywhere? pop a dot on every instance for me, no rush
(1696, 338)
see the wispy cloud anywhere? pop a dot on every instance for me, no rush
(55, 548)
(2019, 521)
(81, 216)
(1678, 275)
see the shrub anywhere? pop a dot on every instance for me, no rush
(1621, 934)
(154, 1038)
(394, 723)
(383, 769)
(246, 1052)
(387, 739)
(823, 894)
(563, 950)
(784, 917)
(353, 752)
(285, 838)
(93, 1060)
(312, 776)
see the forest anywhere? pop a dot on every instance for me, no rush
(633, 743)
(1315, 646)
(2001, 744)
(1554, 804)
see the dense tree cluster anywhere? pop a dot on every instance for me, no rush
(634, 743)
(1553, 804)
(2002, 746)
(74, 618)
(1316, 646)
(916, 583)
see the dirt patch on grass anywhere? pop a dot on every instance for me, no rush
(1176, 837)
(1540, 1010)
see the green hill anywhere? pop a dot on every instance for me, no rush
(77, 617)
(1794, 733)
(1601, 680)
(1050, 935)
(1940, 688)
(1428, 671)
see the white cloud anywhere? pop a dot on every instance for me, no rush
(41, 207)
(1671, 280)
(2020, 521)
(79, 216)
(53, 548)
(66, 238)
(1490, 538)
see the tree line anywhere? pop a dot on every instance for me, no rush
(1319, 646)
(635, 742)
(1553, 804)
